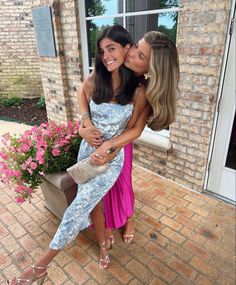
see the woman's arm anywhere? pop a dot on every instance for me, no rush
(87, 130)
(100, 156)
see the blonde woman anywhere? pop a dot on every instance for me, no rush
(154, 59)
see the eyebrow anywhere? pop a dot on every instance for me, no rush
(109, 45)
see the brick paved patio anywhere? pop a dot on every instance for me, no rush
(181, 237)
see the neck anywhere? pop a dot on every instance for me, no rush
(115, 79)
(138, 74)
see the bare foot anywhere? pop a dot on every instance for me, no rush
(128, 233)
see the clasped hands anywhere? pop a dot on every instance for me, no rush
(93, 136)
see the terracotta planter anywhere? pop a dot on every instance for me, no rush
(59, 190)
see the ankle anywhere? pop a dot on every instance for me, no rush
(130, 219)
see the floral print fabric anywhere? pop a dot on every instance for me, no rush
(111, 120)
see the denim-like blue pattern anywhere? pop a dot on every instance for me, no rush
(111, 119)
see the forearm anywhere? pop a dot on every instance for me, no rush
(84, 107)
(133, 133)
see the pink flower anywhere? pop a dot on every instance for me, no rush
(56, 152)
(33, 165)
(20, 188)
(20, 200)
(25, 159)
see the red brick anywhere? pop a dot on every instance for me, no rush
(170, 223)
(185, 221)
(182, 268)
(120, 272)
(178, 200)
(80, 255)
(3, 231)
(156, 281)
(164, 201)
(204, 280)
(197, 250)
(153, 222)
(182, 211)
(162, 270)
(140, 271)
(177, 250)
(198, 210)
(161, 192)
(208, 234)
(140, 253)
(226, 280)
(57, 274)
(151, 212)
(205, 267)
(5, 259)
(157, 251)
(173, 235)
(195, 200)
(78, 274)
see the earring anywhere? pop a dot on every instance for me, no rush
(147, 75)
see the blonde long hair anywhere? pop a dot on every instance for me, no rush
(162, 86)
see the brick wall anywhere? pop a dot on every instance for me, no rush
(61, 76)
(19, 62)
(201, 37)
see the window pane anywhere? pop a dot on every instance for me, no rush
(163, 22)
(143, 5)
(93, 28)
(103, 7)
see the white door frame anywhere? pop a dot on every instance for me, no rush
(220, 93)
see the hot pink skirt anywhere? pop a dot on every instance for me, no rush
(119, 201)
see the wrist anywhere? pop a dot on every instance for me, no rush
(112, 147)
(84, 116)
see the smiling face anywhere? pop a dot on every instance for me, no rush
(112, 54)
(138, 57)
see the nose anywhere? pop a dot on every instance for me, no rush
(105, 55)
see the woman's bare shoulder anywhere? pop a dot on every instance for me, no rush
(140, 94)
(88, 83)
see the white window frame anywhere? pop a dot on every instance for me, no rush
(155, 139)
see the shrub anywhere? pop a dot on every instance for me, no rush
(13, 101)
(42, 150)
(41, 103)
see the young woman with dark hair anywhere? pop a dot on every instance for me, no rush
(111, 118)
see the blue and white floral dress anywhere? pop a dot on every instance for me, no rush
(111, 120)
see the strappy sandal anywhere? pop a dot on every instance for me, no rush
(127, 238)
(40, 279)
(103, 262)
(110, 236)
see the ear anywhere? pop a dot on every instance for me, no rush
(127, 47)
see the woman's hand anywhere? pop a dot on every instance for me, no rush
(101, 155)
(91, 135)
(100, 160)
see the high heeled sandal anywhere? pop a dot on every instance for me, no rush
(112, 240)
(40, 279)
(127, 238)
(103, 262)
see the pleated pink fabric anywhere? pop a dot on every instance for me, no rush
(119, 201)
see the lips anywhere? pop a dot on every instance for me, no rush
(109, 62)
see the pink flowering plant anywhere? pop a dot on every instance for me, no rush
(24, 160)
